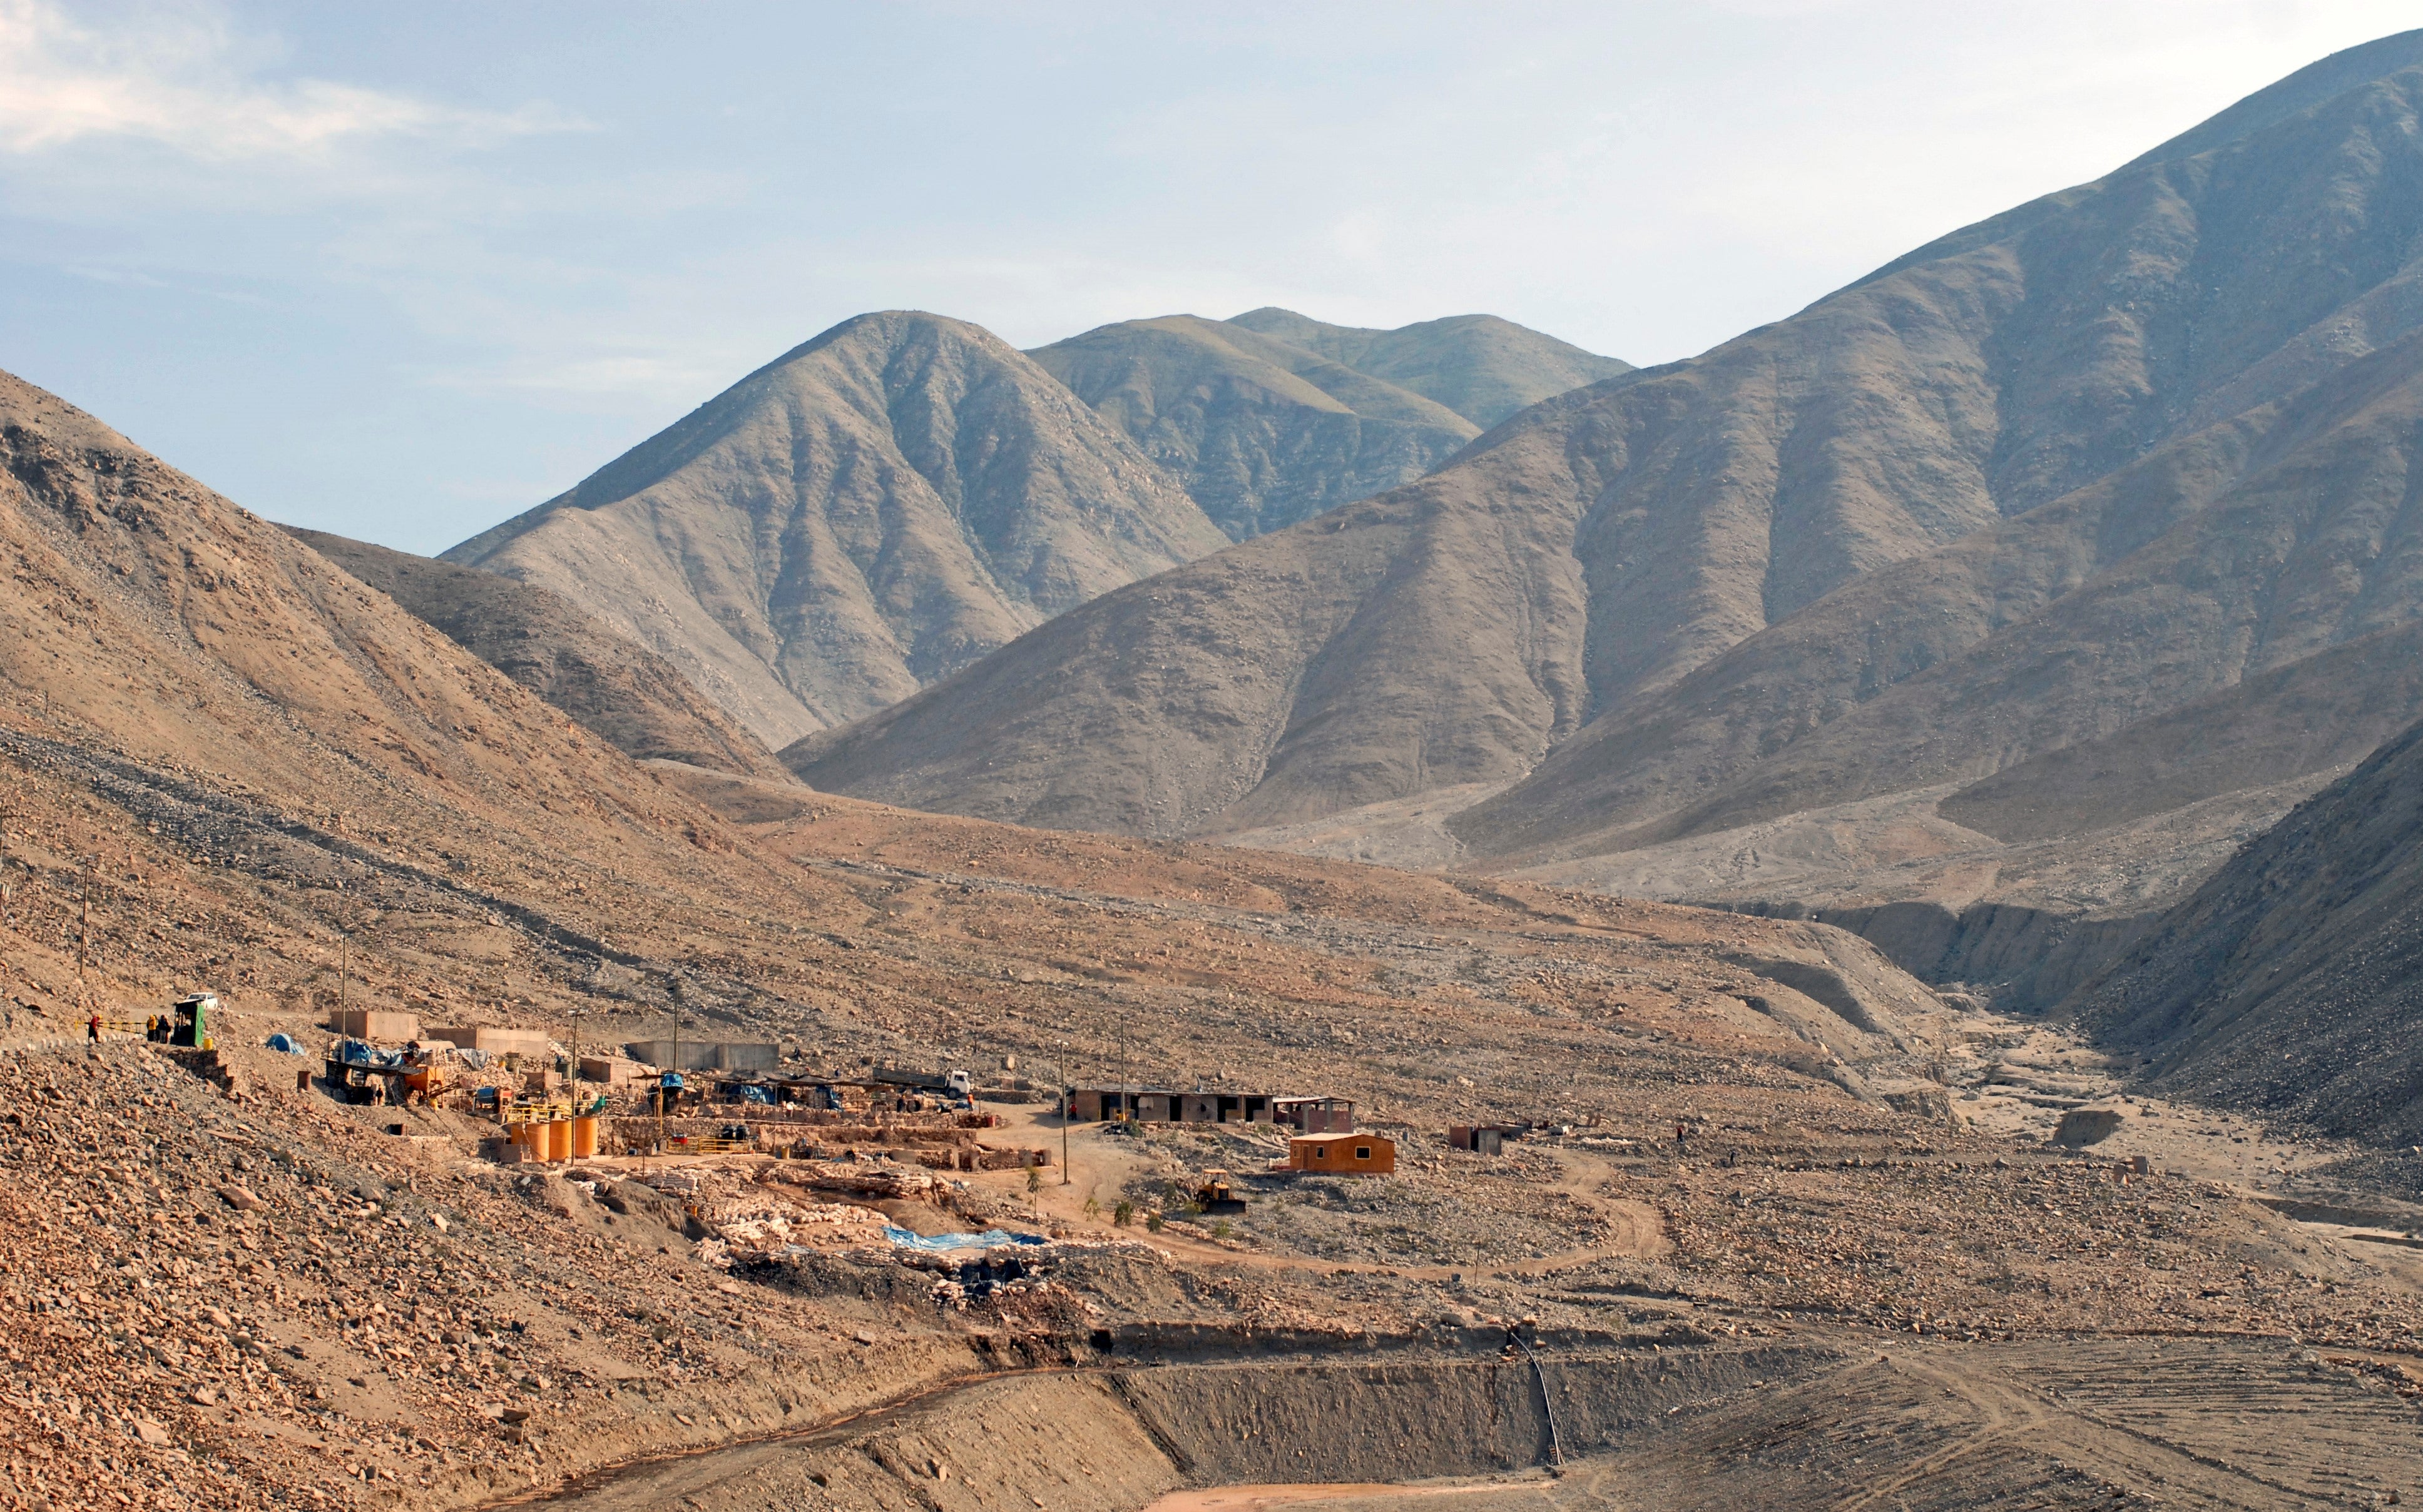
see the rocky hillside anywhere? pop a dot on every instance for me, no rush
(869, 512)
(1272, 418)
(2291, 982)
(2095, 461)
(626, 696)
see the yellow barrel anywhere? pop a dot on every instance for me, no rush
(584, 1137)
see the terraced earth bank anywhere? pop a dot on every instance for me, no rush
(1593, 1421)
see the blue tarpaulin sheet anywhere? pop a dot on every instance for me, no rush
(987, 1239)
(284, 1043)
(756, 1095)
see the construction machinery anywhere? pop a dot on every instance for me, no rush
(1217, 1195)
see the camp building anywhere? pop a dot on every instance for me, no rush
(1168, 1105)
(1340, 1155)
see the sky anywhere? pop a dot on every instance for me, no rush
(401, 272)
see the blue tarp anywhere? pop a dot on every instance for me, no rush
(354, 1052)
(284, 1043)
(987, 1239)
(756, 1095)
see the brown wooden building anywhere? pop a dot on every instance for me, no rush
(1340, 1155)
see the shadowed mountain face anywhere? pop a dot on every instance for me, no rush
(1271, 419)
(2291, 982)
(629, 697)
(869, 512)
(2071, 469)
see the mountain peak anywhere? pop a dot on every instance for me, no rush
(2314, 85)
(871, 510)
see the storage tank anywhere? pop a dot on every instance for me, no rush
(584, 1137)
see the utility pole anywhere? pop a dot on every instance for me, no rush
(672, 1067)
(84, 929)
(344, 969)
(1067, 1107)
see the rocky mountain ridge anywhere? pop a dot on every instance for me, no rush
(628, 697)
(1272, 418)
(868, 513)
(2120, 461)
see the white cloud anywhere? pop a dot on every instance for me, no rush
(175, 78)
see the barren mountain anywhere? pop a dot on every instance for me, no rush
(626, 696)
(1480, 366)
(2254, 549)
(1261, 434)
(868, 513)
(1272, 418)
(2073, 468)
(2290, 982)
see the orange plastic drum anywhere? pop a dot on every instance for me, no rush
(584, 1138)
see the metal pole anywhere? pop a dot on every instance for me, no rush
(1068, 1109)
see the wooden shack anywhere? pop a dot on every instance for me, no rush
(1483, 1139)
(1340, 1155)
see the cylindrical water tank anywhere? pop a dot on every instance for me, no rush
(584, 1137)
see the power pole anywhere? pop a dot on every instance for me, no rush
(1068, 1109)
(672, 1067)
(84, 929)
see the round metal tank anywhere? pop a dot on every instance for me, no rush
(584, 1137)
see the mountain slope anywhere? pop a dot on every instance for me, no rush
(868, 513)
(2112, 399)
(2241, 553)
(1261, 434)
(268, 711)
(1480, 366)
(625, 695)
(2293, 981)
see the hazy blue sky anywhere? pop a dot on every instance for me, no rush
(401, 271)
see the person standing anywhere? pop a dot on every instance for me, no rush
(92, 1030)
